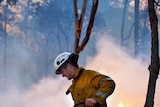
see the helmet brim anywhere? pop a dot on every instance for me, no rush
(57, 72)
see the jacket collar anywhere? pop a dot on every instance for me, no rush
(77, 72)
(75, 76)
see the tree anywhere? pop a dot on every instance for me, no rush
(123, 39)
(136, 28)
(154, 67)
(144, 33)
(54, 23)
(79, 22)
(135, 25)
(139, 20)
(4, 29)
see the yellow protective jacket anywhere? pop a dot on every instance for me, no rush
(90, 84)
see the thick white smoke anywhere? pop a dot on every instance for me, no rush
(131, 75)
(48, 92)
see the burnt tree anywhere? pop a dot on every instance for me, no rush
(154, 67)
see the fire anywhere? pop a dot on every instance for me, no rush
(121, 104)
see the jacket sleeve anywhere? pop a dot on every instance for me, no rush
(105, 87)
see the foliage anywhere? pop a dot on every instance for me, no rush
(10, 2)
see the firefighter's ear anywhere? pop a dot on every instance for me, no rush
(69, 66)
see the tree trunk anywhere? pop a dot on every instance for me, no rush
(123, 23)
(136, 28)
(154, 67)
(5, 43)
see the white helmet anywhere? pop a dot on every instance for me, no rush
(60, 59)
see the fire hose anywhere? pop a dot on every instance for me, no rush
(83, 103)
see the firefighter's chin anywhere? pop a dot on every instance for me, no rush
(69, 78)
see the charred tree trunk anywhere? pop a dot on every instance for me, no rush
(154, 67)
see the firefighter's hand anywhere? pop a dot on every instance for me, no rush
(90, 102)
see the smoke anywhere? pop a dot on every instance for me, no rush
(48, 92)
(130, 74)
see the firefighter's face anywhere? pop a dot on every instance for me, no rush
(67, 72)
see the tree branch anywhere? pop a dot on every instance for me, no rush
(89, 29)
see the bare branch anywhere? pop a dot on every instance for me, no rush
(78, 24)
(76, 29)
(89, 29)
(157, 3)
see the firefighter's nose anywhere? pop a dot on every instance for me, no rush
(62, 75)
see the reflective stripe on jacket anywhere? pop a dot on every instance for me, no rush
(91, 84)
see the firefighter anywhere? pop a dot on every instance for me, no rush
(87, 86)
